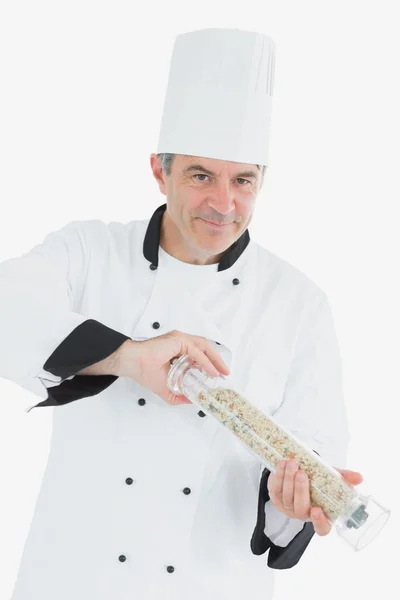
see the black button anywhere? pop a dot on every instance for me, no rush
(156, 325)
(153, 267)
(218, 343)
(122, 558)
(201, 414)
(141, 401)
(235, 281)
(187, 491)
(170, 569)
(129, 480)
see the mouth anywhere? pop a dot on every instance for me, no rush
(216, 225)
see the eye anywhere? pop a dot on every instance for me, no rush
(238, 179)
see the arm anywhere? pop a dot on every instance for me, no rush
(44, 342)
(313, 410)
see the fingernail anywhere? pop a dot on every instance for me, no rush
(317, 513)
(301, 477)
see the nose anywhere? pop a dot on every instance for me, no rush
(222, 199)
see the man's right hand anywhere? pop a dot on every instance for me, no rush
(148, 362)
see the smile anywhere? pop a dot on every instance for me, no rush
(216, 225)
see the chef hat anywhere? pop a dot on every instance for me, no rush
(219, 96)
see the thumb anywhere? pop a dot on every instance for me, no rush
(353, 477)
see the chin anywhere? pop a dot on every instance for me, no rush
(215, 246)
(213, 240)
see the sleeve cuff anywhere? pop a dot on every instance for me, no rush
(86, 345)
(279, 528)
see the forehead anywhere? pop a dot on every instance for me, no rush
(216, 164)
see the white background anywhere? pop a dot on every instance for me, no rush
(82, 92)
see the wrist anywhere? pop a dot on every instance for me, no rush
(124, 359)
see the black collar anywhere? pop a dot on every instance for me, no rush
(152, 242)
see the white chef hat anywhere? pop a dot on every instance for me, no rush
(219, 96)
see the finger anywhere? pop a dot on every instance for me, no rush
(214, 356)
(199, 357)
(275, 484)
(321, 524)
(288, 487)
(208, 358)
(175, 399)
(217, 361)
(301, 503)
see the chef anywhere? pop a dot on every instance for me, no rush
(144, 496)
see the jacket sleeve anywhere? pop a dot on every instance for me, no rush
(313, 409)
(44, 341)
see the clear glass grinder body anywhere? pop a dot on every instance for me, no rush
(357, 518)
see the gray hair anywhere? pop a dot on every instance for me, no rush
(166, 160)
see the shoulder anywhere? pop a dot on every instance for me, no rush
(276, 272)
(96, 228)
(101, 236)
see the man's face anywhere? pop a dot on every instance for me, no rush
(210, 201)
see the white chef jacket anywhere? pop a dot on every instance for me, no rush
(141, 500)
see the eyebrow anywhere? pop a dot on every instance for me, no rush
(208, 172)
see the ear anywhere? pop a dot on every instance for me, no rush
(159, 176)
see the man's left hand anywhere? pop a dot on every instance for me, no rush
(291, 496)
